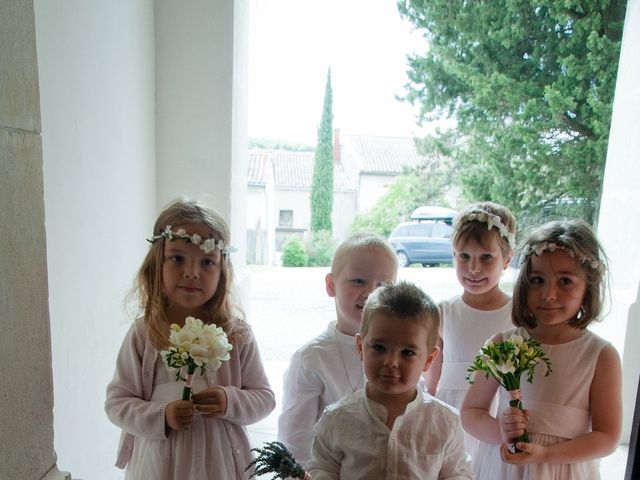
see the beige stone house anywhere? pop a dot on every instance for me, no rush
(279, 188)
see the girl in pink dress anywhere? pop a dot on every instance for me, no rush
(187, 272)
(573, 416)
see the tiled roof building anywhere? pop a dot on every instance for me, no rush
(363, 168)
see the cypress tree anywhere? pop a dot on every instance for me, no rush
(322, 185)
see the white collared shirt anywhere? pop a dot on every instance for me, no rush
(353, 442)
(320, 373)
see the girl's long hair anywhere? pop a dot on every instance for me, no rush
(220, 309)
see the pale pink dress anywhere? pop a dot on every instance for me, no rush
(558, 408)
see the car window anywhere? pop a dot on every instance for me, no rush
(442, 230)
(422, 230)
(401, 231)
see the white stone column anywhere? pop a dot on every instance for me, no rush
(201, 109)
(619, 222)
(26, 415)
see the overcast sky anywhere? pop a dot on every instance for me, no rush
(292, 43)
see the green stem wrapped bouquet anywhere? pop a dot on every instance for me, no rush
(506, 361)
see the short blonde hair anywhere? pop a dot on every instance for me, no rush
(220, 308)
(578, 239)
(466, 227)
(358, 241)
(403, 300)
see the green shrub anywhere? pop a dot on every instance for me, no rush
(293, 253)
(320, 248)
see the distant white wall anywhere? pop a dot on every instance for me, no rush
(344, 209)
(96, 62)
(297, 200)
(260, 220)
(618, 225)
(371, 188)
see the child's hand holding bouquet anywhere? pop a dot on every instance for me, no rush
(195, 345)
(506, 361)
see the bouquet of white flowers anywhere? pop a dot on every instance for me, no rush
(506, 361)
(195, 345)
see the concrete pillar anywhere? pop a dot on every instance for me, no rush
(618, 225)
(26, 416)
(201, 91)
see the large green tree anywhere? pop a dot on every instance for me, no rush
(530, 85)
(322, 185)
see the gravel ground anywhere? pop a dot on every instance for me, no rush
(289, 306)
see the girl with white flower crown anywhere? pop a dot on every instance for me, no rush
(573, 416)
(187, 273)
(483, 242)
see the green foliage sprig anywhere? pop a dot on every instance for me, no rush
(274, 457)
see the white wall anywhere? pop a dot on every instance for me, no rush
(618, 225)
(120, 82)
(201, 91)
(96, 62)
(371, 188)
(344, 209)
(297, 200)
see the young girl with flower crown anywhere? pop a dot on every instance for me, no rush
(186, 273)
(573, 415)
(483, 241)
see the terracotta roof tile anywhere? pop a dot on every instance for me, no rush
(359, 154)
(295, 169)
(259, 164)
(380, 154)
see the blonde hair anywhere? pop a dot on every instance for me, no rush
(576, 238)
(358, 241)
(220, 309)
(468, 227)
(403, 300)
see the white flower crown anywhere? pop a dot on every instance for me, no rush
(538, 249)
(206, 244)
(493, 221)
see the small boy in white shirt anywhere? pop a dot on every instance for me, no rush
(328, 368)
(392, 429)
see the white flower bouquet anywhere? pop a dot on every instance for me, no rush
(506, 361)
(195, 345)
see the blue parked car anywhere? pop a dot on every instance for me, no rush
(427, 242)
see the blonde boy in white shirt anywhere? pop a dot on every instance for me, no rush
(392, 429)
(328, 368)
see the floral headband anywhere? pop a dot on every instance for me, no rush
(493, 221)
(538, 249)
(206, 244)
